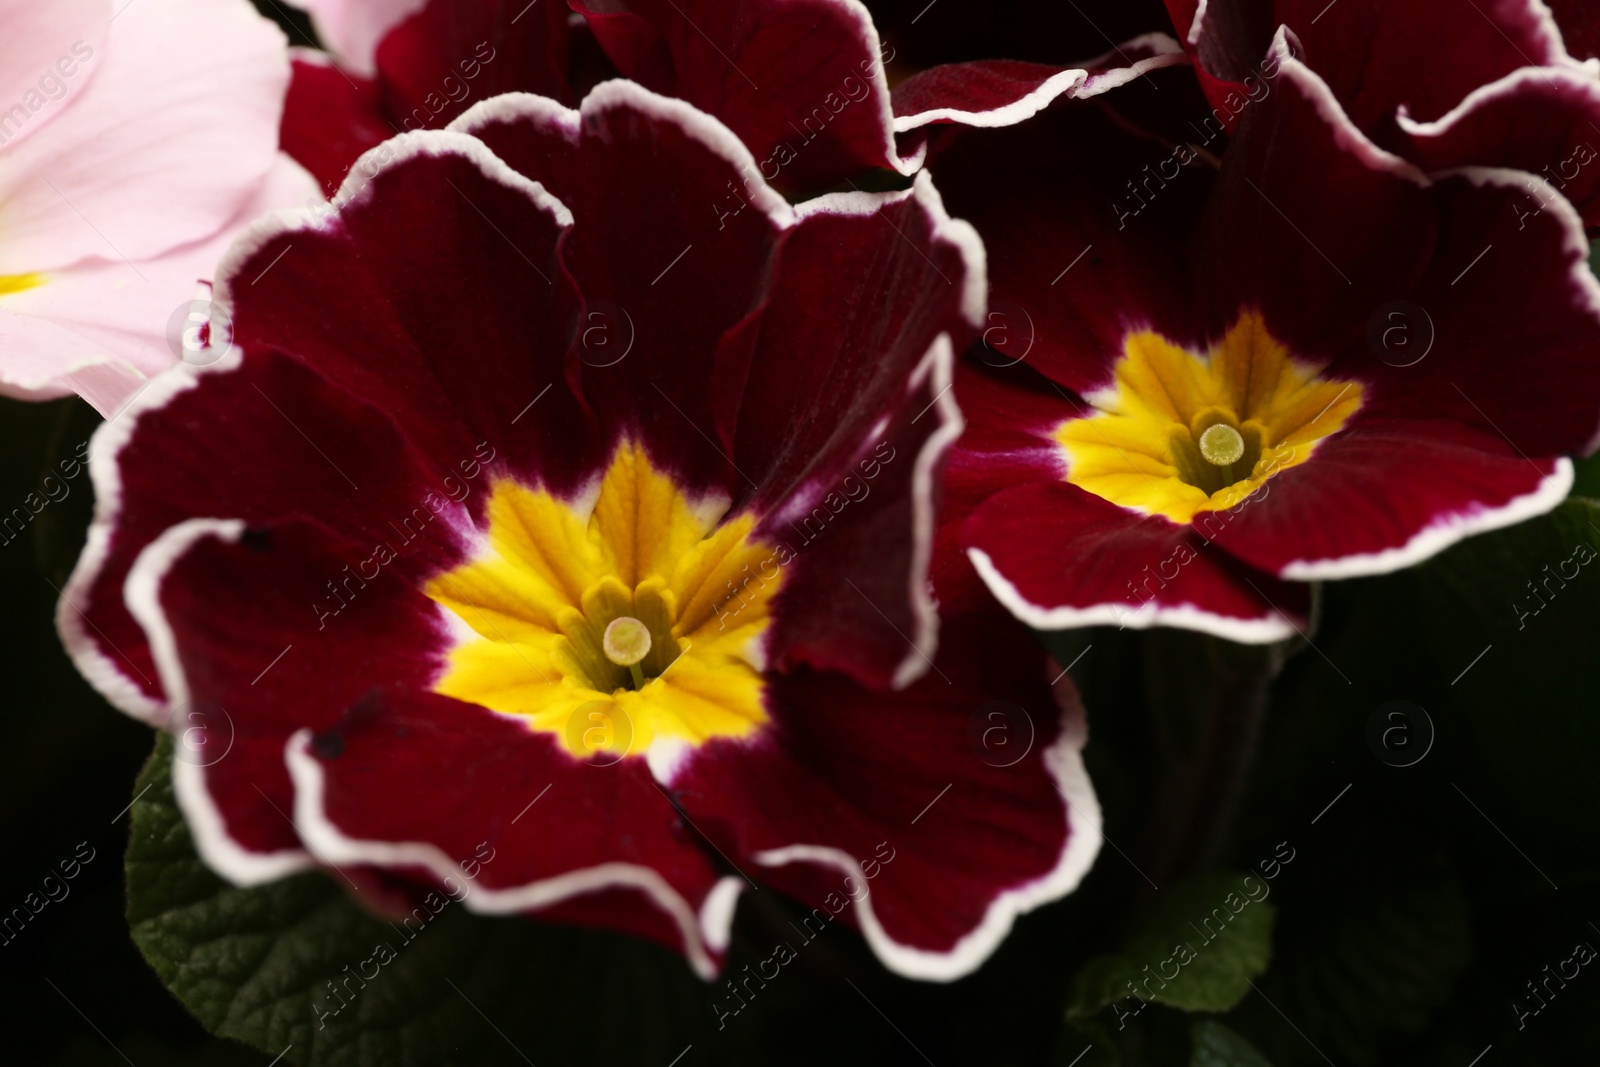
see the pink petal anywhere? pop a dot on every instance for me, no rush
(49, 54)
(102, 327)
(150, 155)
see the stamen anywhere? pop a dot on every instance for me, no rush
(626, 642)
(1221, 445)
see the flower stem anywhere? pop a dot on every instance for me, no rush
(1196, 813)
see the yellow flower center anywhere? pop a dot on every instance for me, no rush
(617, 624)
(1178, 433)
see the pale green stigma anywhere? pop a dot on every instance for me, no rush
(626, 643)
(1221, 445)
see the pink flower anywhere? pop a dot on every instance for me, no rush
(134, 143)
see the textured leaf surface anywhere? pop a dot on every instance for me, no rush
(260, 965)
(1206, 928)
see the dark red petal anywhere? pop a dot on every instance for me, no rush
(259, 631)
(1058, 556)
(1316, 265)
(1375, 56)
(672, 245)
(1510, 96)
(329, 118)
(912, 804)
(1386, 493)
(452, 53)
(860, 530)
(1514, 313)
(436, 295)
(539, 828)
(632, 40)
(431, 66)
(1227, 39)
(1085, 223)
(1010, 412)
(845, 421)
(800, 83)
(1579, 22)
(1492, 265)
(1371, 53)
(257, 442)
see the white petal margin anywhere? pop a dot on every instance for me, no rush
(1575, 242)
(142, 591)
(958, 232)
(551, 116)
(1346, 134)
(1076, 83)
(1081, 808)
(1440, 534)
(78, 635)
(356, 189)
(1261, 630)
(1577, 81)
(1197, 27)
(701, 934)
(880, 88)
(935, 372)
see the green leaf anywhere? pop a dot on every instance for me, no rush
(1217, 1046)
(257, 965)
(1202, 943)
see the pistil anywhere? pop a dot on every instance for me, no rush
(1222, 446)
(626, 643)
